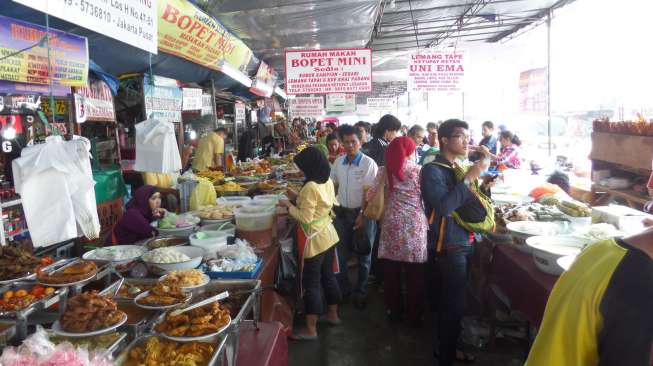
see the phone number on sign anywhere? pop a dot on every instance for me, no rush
(90, 9)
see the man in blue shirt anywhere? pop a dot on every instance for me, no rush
(450, 245)
(489, 140)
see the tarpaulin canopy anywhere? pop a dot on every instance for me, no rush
(270, 27)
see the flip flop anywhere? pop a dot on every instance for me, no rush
(302, 337)
(467, 358)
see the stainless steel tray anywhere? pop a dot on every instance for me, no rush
(122, 358)
(111, 350)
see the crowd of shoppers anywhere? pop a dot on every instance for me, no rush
(417, 246)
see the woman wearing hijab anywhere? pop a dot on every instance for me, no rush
(142, 209)
(317, 239)
(403, 230)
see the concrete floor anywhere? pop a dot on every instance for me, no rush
(366, 337)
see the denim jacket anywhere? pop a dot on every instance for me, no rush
(443, 194)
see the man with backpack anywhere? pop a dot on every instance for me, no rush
(455, 209)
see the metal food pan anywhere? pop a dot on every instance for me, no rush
(47, 301)
(141, 341)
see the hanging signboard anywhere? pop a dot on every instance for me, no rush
(94, 102)
(61, 108)
(24, 59)
(128, 21)
(239, 112)
(162, 102)
(306, 107)
(22, 88)
(265, 80)
(187, 32)
(207, 106)
(381, 104)
(341, 102)
(533, 91)
(436, 71)
(192, 99)
(329, 71)
(19, 103)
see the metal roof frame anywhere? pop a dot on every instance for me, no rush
(440, 21)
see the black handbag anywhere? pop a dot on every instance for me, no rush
(360, 242)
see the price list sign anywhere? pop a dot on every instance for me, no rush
(129, 21)
(21, 61)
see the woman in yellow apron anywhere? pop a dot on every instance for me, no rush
(317, 240)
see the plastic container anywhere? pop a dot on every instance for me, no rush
(254, 216)
(233, 200)
(211, 243)
(270, 197)
(229, 229)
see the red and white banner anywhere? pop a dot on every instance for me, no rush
(306, 107)
(94, 102)
(329, 71)
(438, 71)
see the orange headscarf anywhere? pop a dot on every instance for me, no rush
(395, 158)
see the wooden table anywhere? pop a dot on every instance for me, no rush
(267, 346)
(633, 199)
(525, 287)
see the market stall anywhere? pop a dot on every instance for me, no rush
(540, 231)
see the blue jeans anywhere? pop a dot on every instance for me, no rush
(344, 224)
(451, 273)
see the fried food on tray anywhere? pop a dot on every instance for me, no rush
(16, 263)
(130, 291)
(184, 278)
(88, 312)
(217, 212)
(194, 323)
(160, 352)
(163, 295)
(77, 272)
(230, 187)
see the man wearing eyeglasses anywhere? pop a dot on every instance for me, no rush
(450, 245)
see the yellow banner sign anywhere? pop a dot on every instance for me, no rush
(187, 32)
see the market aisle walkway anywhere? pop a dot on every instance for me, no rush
(366, 337)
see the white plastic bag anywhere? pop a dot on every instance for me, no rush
(156, 147)
(56, 184)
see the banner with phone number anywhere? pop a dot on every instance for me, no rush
(24, 58)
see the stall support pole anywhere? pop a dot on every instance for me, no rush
(463, 100)
(548, 78)
(215, 112)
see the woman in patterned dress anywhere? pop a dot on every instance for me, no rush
(403, 230)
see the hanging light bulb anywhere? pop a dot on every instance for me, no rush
(193, 135)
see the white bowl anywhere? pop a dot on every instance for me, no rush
(229, 229)
(116, 249)
(181, 231)
(211, 244)
(194, 253)
(548, 249)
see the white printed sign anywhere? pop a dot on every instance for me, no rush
(341, 102)
(128, 21)
(239, 111)
(207, 106)
(438, 71)
(192, 99)
(306, 107)
(329, 71)
(381, 104)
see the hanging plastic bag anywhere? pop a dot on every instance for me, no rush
(203, 194)
(156, 147)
